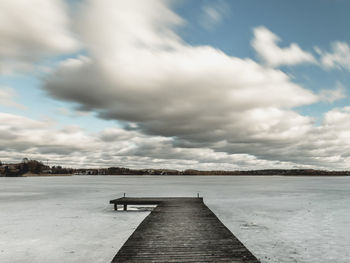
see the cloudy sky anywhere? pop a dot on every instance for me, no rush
(203, 84)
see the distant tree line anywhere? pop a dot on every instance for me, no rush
(284, 172)
(61, 170)
(26, 166)
(38, 167)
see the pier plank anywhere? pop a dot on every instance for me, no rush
(180, 230)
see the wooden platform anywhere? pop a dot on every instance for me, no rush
(180, 230)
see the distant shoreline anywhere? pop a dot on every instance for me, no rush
(34, 168)
(43, 175)
(182, 175)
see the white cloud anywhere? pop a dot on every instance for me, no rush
(7, 96)
(30, 30)
(339, 57)
(338, 117)
(334, 94)
(265, 44)
(213, 13)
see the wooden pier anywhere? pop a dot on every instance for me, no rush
(180, 230)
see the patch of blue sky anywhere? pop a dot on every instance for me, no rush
(307, 23)
(228, 36)
(317, 79)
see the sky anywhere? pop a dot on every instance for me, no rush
(197, 84)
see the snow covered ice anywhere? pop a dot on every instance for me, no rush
(69, 219)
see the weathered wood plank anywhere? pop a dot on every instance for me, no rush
(180, 230)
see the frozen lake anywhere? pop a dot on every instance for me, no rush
(68, 219)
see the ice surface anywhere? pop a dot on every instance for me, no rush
(68, 219)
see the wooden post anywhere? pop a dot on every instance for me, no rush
(115, 207)
(125, 207)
